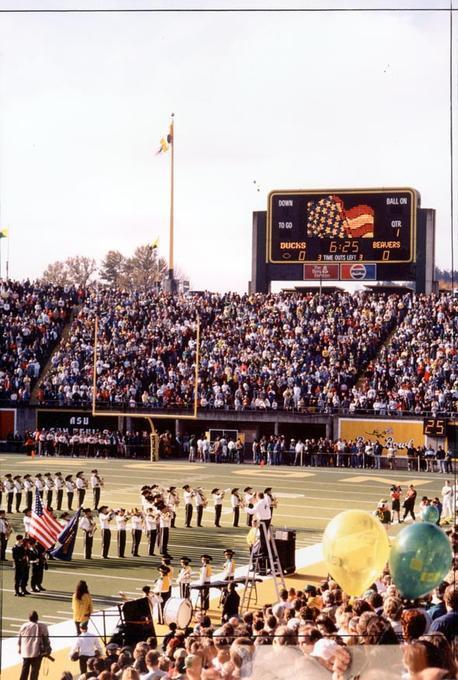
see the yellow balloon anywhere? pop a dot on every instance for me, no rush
(355, 549)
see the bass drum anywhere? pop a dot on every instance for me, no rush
(178, 610)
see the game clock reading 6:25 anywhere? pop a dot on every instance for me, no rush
(341, 225)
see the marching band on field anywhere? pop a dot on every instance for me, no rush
(153, 519)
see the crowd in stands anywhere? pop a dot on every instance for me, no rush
(318, 632)
(32, 318)
(376, 352)
(417, 369)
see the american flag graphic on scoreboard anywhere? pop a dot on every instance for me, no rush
(44, 527)
(328, 218)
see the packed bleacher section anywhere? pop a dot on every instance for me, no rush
(300, 352)
(417, 370)
(32, 318)
(277, 351)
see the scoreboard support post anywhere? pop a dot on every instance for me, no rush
(426, 246)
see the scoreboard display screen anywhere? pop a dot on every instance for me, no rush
(341, 225)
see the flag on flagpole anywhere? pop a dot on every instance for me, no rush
(44, 527)
(163, 146)
(166, 142)
(4, 233)
(67, 539)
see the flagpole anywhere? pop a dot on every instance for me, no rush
(171, 230)
(8, 258)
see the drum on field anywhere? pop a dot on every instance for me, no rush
(178, 610)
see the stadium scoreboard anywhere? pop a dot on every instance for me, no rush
(342, 226)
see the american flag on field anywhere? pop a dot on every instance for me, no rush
(328, 218)
(44, 527)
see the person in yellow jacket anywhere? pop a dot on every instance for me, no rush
(82, 606)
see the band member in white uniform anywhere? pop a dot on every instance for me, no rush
(28, 488)
(96, 485)
(136, 525)
(236, 502)
(8, 486)
(59, 487)
(188, 495)
(27, 521)
(49, 486)
(151, 527)
(201, 503)
(88, 525)
(105, 517)
(121, 525)
(81, 486)
(218, 496)
(39, 485)
(229, 565)
(204, 579)
(165, 520)
(5, 533)
(184, 577)
(248, 503)
(18, 487)
(70, 487)
(172, 500)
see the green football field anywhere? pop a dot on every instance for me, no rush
(308, 499)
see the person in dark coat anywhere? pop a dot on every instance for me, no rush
(231, 603)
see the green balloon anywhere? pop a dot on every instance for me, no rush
(420, 557)
(430, 514)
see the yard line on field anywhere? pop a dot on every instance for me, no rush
(13, 618)
(95, 575)
(69, 613)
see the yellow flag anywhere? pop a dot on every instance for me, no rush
(155, 243)
(4, 233)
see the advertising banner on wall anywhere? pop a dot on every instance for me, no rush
(397, 433)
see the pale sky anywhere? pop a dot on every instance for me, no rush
(291, 100)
